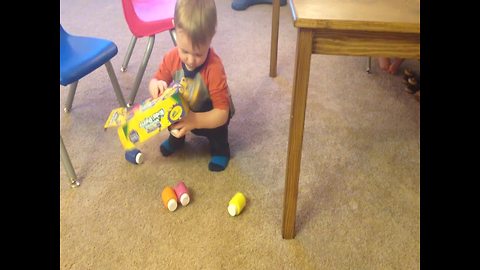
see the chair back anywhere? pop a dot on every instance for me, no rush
(148, 17)
(63, 39)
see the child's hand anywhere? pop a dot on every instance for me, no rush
(196, 120)
(175, 133)
(157, 87)
(182, 127)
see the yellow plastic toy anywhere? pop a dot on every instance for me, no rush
(142, 121)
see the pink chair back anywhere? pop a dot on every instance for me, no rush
(148, 17)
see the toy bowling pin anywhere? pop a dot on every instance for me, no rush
(182, 193)
(236, 204)
(169, 198)
(134, 156)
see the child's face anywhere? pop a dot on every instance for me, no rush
(191, 56)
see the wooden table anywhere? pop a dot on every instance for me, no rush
(388, 28)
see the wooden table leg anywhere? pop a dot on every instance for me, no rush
(297, 119)
(274, 42)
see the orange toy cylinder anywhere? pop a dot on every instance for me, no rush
(169, 198)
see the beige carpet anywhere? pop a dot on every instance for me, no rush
(359, 192)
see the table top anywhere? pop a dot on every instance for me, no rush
(368, 15)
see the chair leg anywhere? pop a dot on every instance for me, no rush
(133, 41)
(141, 70)
(71, 94)
(67, 164)
(116, 86)
(173, 35)
(369, 64)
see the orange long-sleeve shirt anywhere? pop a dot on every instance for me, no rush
(207, 88)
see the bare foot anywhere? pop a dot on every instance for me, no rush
(384, 63)
(393, 69)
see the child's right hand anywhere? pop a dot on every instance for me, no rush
(157, 87)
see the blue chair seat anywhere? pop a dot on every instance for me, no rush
(80, 56)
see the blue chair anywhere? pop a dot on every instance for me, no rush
(79, 56)
(67, 164)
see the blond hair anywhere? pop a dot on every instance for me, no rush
(198, 18)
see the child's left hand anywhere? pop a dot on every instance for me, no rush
(184, 125)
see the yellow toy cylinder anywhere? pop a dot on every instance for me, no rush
(236, 204)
